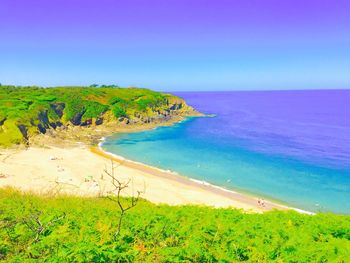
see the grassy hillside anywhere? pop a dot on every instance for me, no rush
(81, 230)
(26, 111)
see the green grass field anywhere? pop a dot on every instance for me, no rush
(82, 230)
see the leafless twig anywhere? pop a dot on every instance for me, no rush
(37, 226)
(119, 186)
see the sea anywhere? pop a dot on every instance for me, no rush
(292, 147)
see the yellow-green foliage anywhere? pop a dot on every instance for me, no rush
(153, 233)
(35, 107)
(9, 133)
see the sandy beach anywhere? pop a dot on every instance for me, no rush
(79, 170)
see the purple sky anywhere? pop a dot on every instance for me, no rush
(177, 44)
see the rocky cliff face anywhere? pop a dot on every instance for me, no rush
(27, 112)
(175, 109)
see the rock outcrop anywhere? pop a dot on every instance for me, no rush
(33, 111)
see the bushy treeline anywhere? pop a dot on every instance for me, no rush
(73, 229)
(26, 111)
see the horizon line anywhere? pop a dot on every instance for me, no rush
(169, 91)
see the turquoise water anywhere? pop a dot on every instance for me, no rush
(244, 148)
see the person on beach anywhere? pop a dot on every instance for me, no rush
(261, 202)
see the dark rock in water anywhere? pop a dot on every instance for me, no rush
(99, 121)
(58, 108)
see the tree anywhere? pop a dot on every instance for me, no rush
(115, 195)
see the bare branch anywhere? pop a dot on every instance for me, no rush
(34, 223)
(119, 186)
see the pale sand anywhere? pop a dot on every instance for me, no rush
(77, 170)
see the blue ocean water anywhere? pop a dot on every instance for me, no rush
(291, 146)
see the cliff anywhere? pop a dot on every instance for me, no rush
(28, 111)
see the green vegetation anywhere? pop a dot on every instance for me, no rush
(26, 111)
(118, 111)
(73, 229)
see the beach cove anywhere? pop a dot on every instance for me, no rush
(77, 170)
(183, 159)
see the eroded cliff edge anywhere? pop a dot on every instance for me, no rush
(34, 114)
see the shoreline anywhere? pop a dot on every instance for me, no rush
(270, 204)
(91, 135)
(206, 186)
(195, 192)
(78, 170)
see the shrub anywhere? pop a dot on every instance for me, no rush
(93, 109)
(161, 233)
(118, 111)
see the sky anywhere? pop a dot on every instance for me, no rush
(177, 45)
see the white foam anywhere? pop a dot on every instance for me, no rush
(102, 140)
(131, 161)
(302, 211)
(200, 182)
(212, 185)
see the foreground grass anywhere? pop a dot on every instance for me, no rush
(81, 230)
